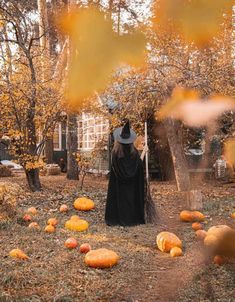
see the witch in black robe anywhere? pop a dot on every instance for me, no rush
(125, 198)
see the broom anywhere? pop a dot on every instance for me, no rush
(150, 210)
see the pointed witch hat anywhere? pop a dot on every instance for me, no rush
(124, 135)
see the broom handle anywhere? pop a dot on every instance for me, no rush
(146, 155)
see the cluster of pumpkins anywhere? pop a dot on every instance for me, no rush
(99, 258)
(104, 258)
(212, 239)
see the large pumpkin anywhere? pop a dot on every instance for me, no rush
(218, 230)
(166, 241)
(191, 216)
(214, 234)
(101, 258)
(83, 204)
(77, 225)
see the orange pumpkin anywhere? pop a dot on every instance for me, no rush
(84, 204)
(32, 210)
(85, 248)
(190, 216)
(210, 240)
(101, 258)
(233, 215)
(219, 260)
(166, 241)
(218, 230)
(17, 253)
(201, 234)
(77, 225)
(27, 217)
(64, 208)
(196, 226)
(74, 217)
(49, 228)
(52, 221)
(71, 243)
(176, 252)
(34, 225)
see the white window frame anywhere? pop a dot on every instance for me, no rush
(60, 138)
(85, 118)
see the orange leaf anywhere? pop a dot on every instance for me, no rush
(197, 20)
(96, 51)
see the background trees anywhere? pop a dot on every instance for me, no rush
(29, 94)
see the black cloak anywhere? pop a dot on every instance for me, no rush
(125, 198)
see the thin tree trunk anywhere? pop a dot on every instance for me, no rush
(72, 127)
(72, 142)
(49, 149)
(174, 136)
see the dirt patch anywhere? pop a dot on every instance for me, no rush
(54, 273)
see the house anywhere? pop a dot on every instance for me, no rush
(92, 131)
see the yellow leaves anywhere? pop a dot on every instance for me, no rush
(34, 164)
(229, 150)
(187, 106)
(96, 51)
(197, 20)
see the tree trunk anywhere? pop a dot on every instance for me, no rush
(49, 150)
(174, 136)
(33, 179)
(72, 142)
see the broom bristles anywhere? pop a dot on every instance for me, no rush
(150, 209)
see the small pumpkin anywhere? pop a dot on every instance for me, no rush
(64, 208)
(219, 260)
(233, 215)
(74, 217)
(52, 221)
(32, 210)
(85, 248)
(101, 258)
(84, 204)
(34, 225)
(201, 234)
(196, 226)
(49, 228)
(17, 253)
(27, 217)
(71, 243)
(166, 241)
(190, 216)
(176, 252)
(77, 225)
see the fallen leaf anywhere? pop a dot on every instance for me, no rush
(17, 253)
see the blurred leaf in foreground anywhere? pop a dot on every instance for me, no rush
(96, 51)
(197, 20)
(187, 106)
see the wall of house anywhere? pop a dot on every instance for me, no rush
(92, 133)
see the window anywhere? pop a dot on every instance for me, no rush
(57, 137)
(91, 130)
